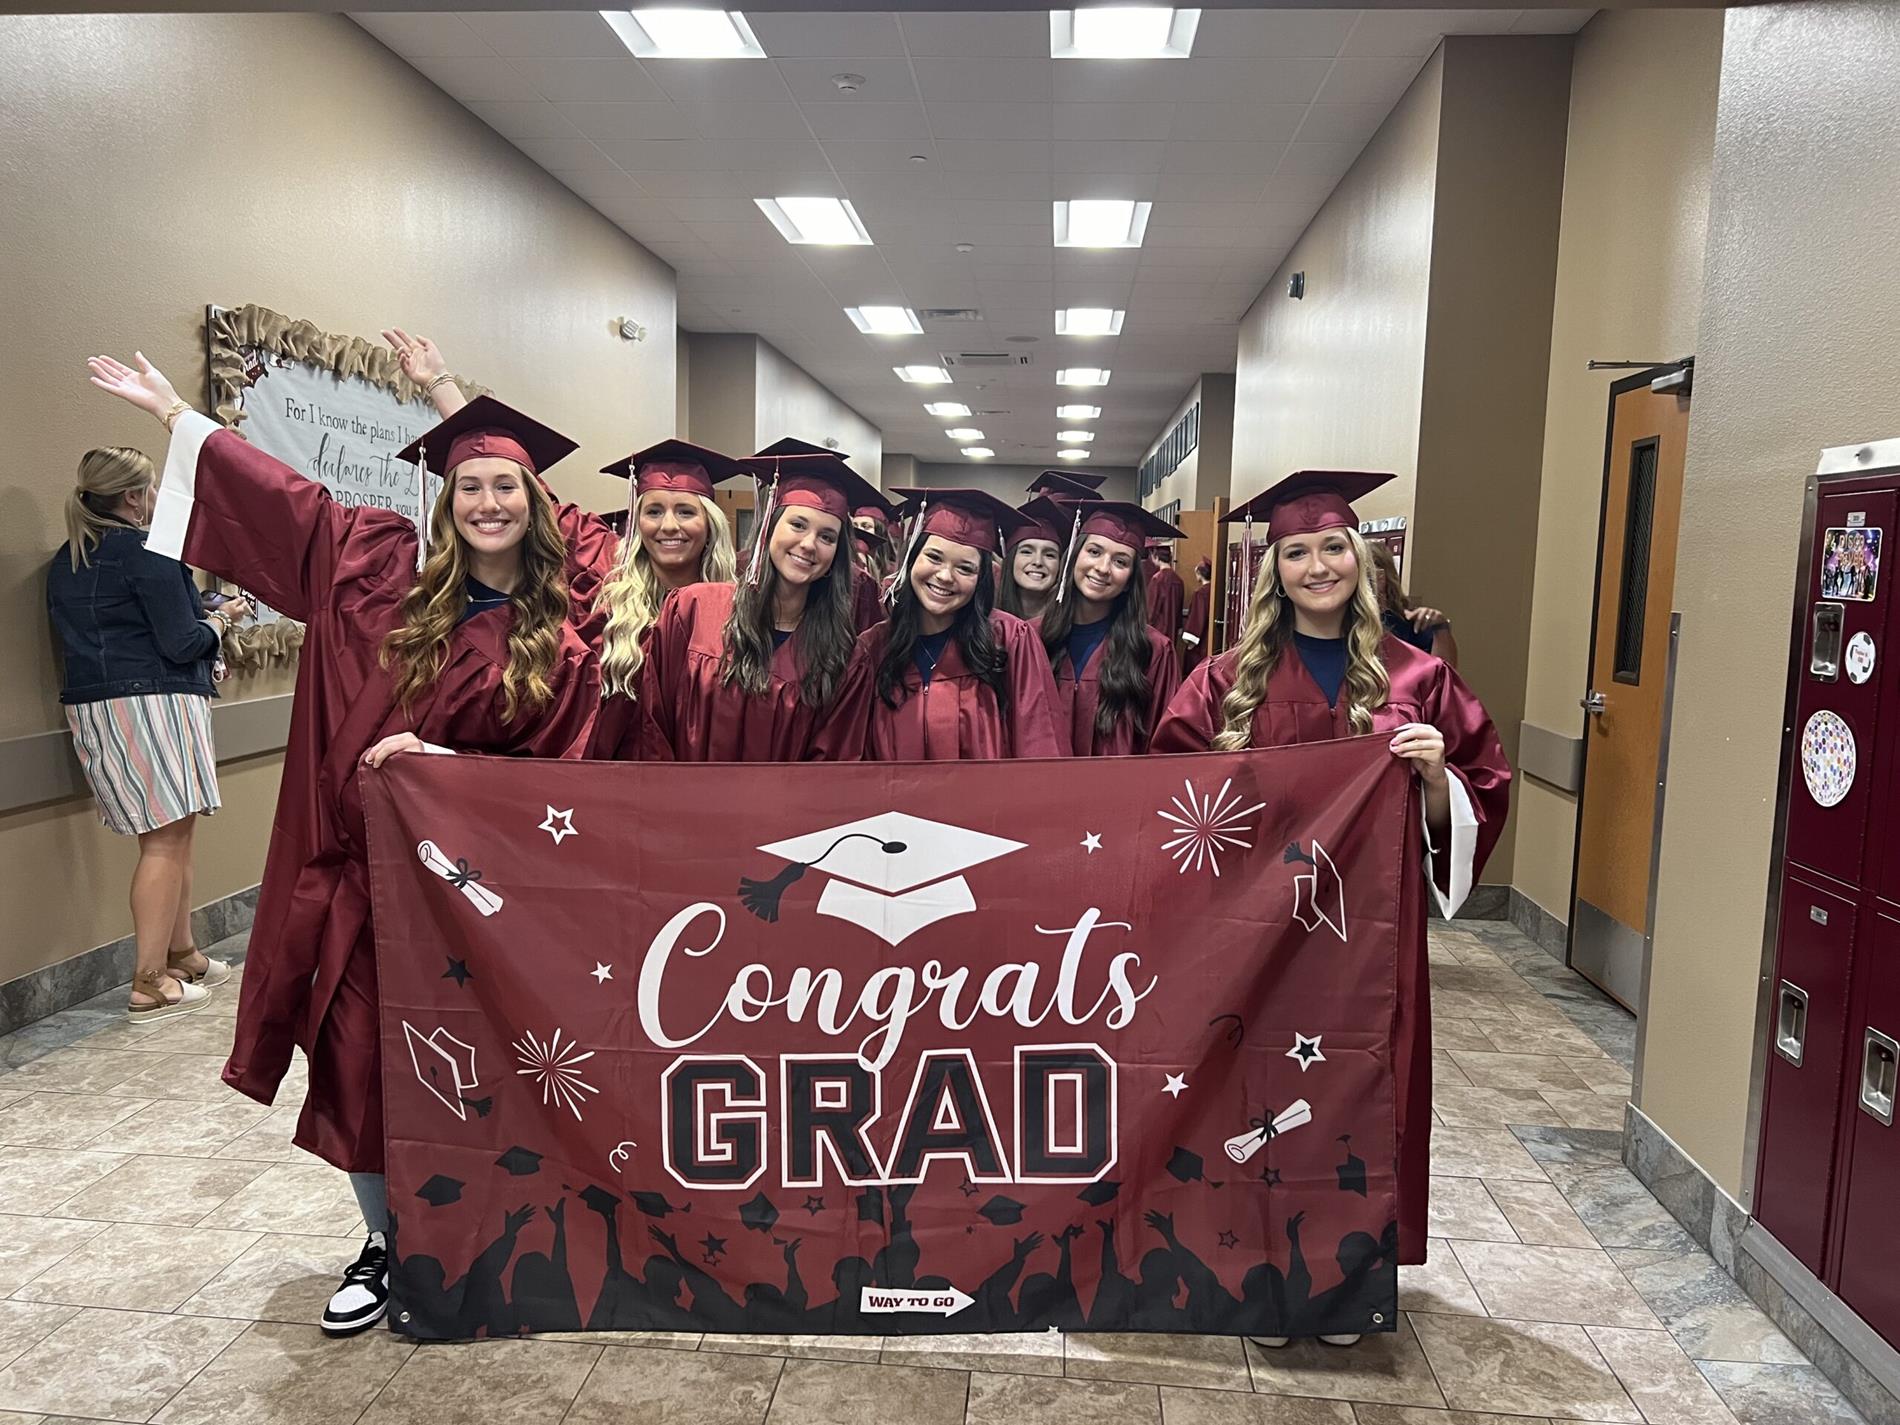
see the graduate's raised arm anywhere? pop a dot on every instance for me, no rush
(225, 506)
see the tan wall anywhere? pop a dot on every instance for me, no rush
(1498, 201)
(682, 383)
(1207, 473)
(1334, 379)
(897, 471)
(791, 402)
(358, 195)
(1183, 482)
(1010, 483)
(723, 391)
(1629, 286)
(1800, 300)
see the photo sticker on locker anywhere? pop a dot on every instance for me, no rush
(1850, 564)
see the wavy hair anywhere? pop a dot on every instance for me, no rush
(1010, 596)
(105, 475)
(1123, 678)
(1267, 639)
(971, 630)
(824, 638)
(418, 648)
(634, 592)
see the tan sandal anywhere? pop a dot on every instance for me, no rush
(215, 972)
(154, 984)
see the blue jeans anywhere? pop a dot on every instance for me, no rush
(372, 1195)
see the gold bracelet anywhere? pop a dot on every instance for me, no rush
(441, 380)
(173, 412)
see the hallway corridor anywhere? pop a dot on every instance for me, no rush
(168, 1253)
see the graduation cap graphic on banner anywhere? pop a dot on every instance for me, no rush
(446, 1067)
(1319, 895)
(893, 874)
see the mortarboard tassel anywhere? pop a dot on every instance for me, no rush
(422, 506)
(910, 548)
(1246, 569)
(762, 897)
(765, 504)
(1075, 531)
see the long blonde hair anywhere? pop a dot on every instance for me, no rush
(634, 592)
(105, 475)
(1267, 638)
(433, 607)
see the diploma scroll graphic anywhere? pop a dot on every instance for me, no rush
(1243, 1146)
(458, 874)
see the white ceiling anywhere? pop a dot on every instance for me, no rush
(1236, 147)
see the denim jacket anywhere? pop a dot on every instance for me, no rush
(130, 622)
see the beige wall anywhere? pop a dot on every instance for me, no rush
(682, 383)
(1498, 200)
(1334, 379)
(1207, 473)
(1800, 300)
(745, 394)
(898, 471)
(1010, 483)
(723, 395)
(1629, 286)
(356, 195)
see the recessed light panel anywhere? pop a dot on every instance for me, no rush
(828, 222)
(1101, 222)
(1077, 413)
(1075, 437)
(1089, 321)
(978, 452)
(670, 33)
(1072, 453)
(964, 433)
(1082, 376)
(947, 410)
(1123, 32)
(923, 375)
(884, 321)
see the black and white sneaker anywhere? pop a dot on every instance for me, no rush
(363, 1297)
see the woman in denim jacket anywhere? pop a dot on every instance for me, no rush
(138, 653)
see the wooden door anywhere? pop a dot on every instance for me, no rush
(1629, 663)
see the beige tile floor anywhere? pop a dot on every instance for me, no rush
(165, 1252)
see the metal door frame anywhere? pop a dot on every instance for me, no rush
(1877, 457)
(1622, 386)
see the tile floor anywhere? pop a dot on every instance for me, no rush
(168, 1250)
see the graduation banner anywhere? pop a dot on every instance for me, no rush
(942, 1047)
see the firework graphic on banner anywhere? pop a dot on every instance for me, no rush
(554, 1065)
(1206, 825)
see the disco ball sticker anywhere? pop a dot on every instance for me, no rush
(1828, 758)
(1860, 657)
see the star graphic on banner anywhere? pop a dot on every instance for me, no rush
(814, 1204)
(601, 973)
(968, 1189)
(559, 824)
(1228, 1239)
(1305, 1051)
(1092, 842)
(1175, 1086)
(714, 1246)
(1272, 1177)
(457, 971)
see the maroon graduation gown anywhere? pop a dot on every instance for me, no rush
(1295, 710)
(688, 713)
(1165, 594)
(592, 549)
(1197, 625)
(310, 976)
(867, 600)
(955, 717)
(1077, 699)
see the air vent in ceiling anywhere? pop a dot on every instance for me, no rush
(984, 358)
(949, 314)
(995, 413)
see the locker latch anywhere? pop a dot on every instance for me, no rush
(1817, 914)
(1791, 1022)
(1879, 1062)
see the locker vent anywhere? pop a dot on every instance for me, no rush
(1632, 600)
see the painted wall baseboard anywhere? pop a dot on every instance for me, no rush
(1547, 932)
(50, 989)
(1843, 1347)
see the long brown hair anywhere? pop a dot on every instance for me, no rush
(1267, 638)
(105, 476)
(823, 640)
(634, 592)
(433, 607)
(1123, 678)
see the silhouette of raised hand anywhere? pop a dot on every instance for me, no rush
(557, 1213)
(518, 1219)
(1026, 1245)
(1071, 1232)
(1164, 1224)
(666, 1240)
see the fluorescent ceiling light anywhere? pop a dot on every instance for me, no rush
(1082, 376)
(1101, 222)
(923, 376)
(1072, 453)
(1123, 32)
(964, 433)
(947, 409)
(832, 222)
(885, 321)
(685, 34)
(1075, 437)
(1077, 413)
(1089, 321)
(978, 452)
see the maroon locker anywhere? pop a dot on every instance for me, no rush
(1871, 1181)
(1836, 716)
(1799, 1107)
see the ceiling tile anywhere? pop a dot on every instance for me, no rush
(1274, 34)
(1203, 80)
(1415, 33)
(1343, 123)
(1106, 156)
(1002, 80)
(1002, 155)
(741, 80)
(728, 120)
(545, 34)
(1206, 188)
(567, 155)
(791, 36)
(1319, 160)
(642, 156)
(881, 155)
(1237, 121)
(660, 119)
(865, 119)
(578, 80)
(476, 78)
(690, 183)
(1369, 81)
(958, 121)
(885, 81)
(1112, 121)
(996, 184)
(1240, 161)
(950, 32)
(426, 36)
(1551, 22)
(535, 119)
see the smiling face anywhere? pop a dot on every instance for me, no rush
(1103, 568)
(803, 544)
(943, 578)
(673, 530)
(489, 503)
(868, 523)
(1319, 572)
(1036, 564)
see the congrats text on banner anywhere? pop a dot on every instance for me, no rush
(921, 1048)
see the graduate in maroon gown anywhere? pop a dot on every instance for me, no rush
(1166, 593)
(765, 670)
(953, 676)
(1114, 674)
(872, 524)
(617, 581)
(1032, 554)
(471, 651)
(1314, 662)
(1194, 631)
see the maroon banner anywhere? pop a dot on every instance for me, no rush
(999, 1046)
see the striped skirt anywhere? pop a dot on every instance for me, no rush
(149, 759)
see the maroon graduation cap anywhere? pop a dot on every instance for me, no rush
(964, 516)
(485, 427)
(676, 465)
(1308, 501)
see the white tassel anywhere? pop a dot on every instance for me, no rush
(1068, 578)
(422, 507)
(770, 501)
(902, 576)
(1246, 570)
